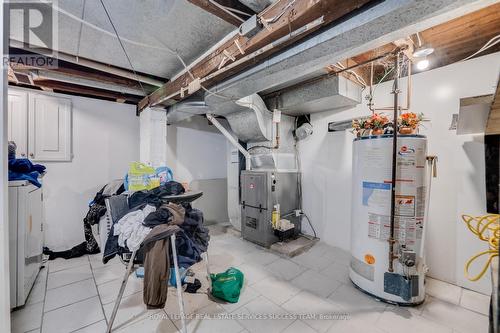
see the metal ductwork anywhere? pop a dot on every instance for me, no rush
(186, 109)
(329, 93)
(257, 5)
(385, 22)
(253, 122)
(249, 117)
(381, 24)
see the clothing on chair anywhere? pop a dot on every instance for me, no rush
(130, 229)
(156, 247)
(178, 213)
(188, 253)
(167, 213)
(153, 197)
(97, 207)
(94, 214)
(195, 229)
(113, 187)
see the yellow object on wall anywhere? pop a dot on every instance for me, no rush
(486, 228)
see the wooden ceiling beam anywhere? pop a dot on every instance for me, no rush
(215, 7)
(80, 75)
(280, 19)
(452, 41)
(81, 90)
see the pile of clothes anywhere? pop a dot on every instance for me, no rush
(148, 209)
(144, 222)
(22, 168)
(146, 227)
(97, 209)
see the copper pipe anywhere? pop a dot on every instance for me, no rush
(408, 95)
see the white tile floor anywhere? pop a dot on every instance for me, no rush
(77, 296)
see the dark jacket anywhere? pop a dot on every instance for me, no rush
(167, 213)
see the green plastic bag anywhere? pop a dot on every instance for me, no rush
(227, 285)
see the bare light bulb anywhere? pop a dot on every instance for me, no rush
(422, 64)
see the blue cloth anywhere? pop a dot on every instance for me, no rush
(23, 169)
(32, 177)
(188, 253)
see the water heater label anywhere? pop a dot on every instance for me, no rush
(379, 227)
(375, 168)
(405, 205)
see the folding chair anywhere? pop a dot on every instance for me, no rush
(182, 198)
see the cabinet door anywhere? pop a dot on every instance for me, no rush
(49, 128)
(18, 121)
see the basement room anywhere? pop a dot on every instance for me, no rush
(250, 166)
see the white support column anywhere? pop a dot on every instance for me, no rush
(4, 214)
(153, 137)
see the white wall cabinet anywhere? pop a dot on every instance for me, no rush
(49, 130)
(18, 121)
(40, 125)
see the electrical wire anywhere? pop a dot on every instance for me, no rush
(419, 40)
(382, 79)
(487, 229)
(123, 47)
(280, 14)
(492, 42)
(140, 44)
(236, 11)
(340, 66)
(225, 9)
(81, 29)
(310, 224)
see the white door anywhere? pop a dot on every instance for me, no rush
(49, 128)
(18, 121)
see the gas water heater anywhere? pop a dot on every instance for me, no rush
(371, 218)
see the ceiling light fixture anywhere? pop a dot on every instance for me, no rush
(423, 51)
(422, 64)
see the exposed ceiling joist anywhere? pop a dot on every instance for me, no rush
(279, 20)
(81, 80)
(452, 41)
(93, 65)
(84, 91)
(222, 9)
